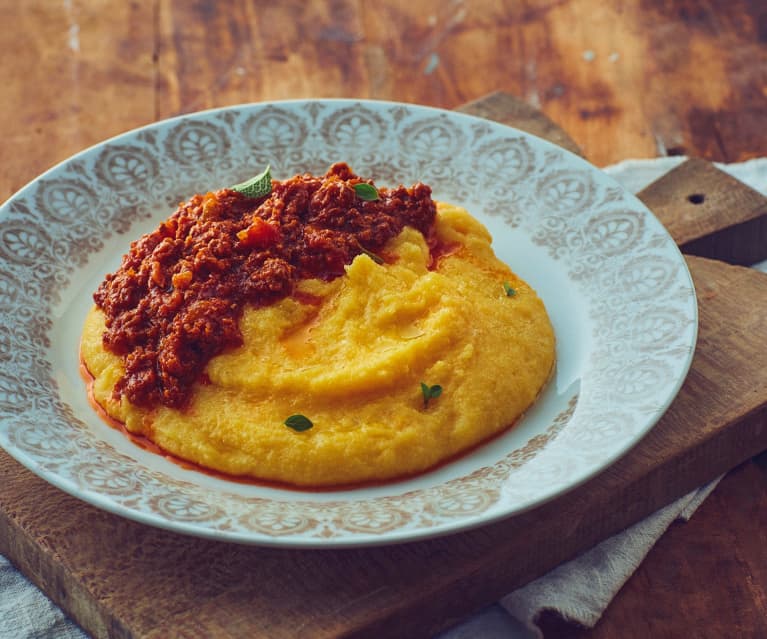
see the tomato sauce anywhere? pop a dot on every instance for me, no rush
(177, 297)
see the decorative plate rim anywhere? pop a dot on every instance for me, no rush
(577, 220)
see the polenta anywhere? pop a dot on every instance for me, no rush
(351, 353)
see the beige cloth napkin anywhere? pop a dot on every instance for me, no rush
(579, 590)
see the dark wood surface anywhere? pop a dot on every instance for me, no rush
(122, 579)
(625, 78)
(633, 78)
(709, 213)
(704, 579)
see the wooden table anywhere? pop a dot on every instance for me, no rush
(631, 78)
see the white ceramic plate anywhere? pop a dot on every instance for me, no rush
(617, 289)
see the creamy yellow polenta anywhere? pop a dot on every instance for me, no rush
(353, 364)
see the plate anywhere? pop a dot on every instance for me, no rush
(617, 289)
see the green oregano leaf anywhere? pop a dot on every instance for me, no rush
(258, 186)
(430, 392)
(510, 292)
(366, 192)
(299, 423)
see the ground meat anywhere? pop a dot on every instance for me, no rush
(176, 300)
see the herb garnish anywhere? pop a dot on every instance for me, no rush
(376, 258)
(298, 423)
(430, 392)
(366, 192)
(258, 186)
(510, 292)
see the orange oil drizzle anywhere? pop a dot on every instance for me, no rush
(295, 343)
(148, 445)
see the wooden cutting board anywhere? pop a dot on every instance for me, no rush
(117, 578)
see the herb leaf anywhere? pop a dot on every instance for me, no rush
(510, 292)
(430, 392)
(257, 186)
(376, 258)
(366, 192)
(298, 423)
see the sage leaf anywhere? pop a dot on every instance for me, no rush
(258, 186)
(376, 258)
(430, 392)
(298, 423)
(366, 192)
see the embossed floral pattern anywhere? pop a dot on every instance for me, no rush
(465, 503)
(631, 304)
(373, 520)
(354, 127)
(274, 128)
(23, 243)
(29, 437)
(275, 522)
(109, 477)
(196, 143)
(126, 168)
(179, 507)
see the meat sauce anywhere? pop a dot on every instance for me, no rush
(176, 300)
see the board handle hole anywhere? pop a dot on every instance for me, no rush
(696, 198)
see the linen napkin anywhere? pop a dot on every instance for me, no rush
(26, 613)
(579, 590)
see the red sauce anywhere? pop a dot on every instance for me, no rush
(176, 300)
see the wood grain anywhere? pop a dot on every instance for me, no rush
(710, 213)
(506, 109)
(626, 78)
(74, 74)
(727, 537)
(121, 579)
